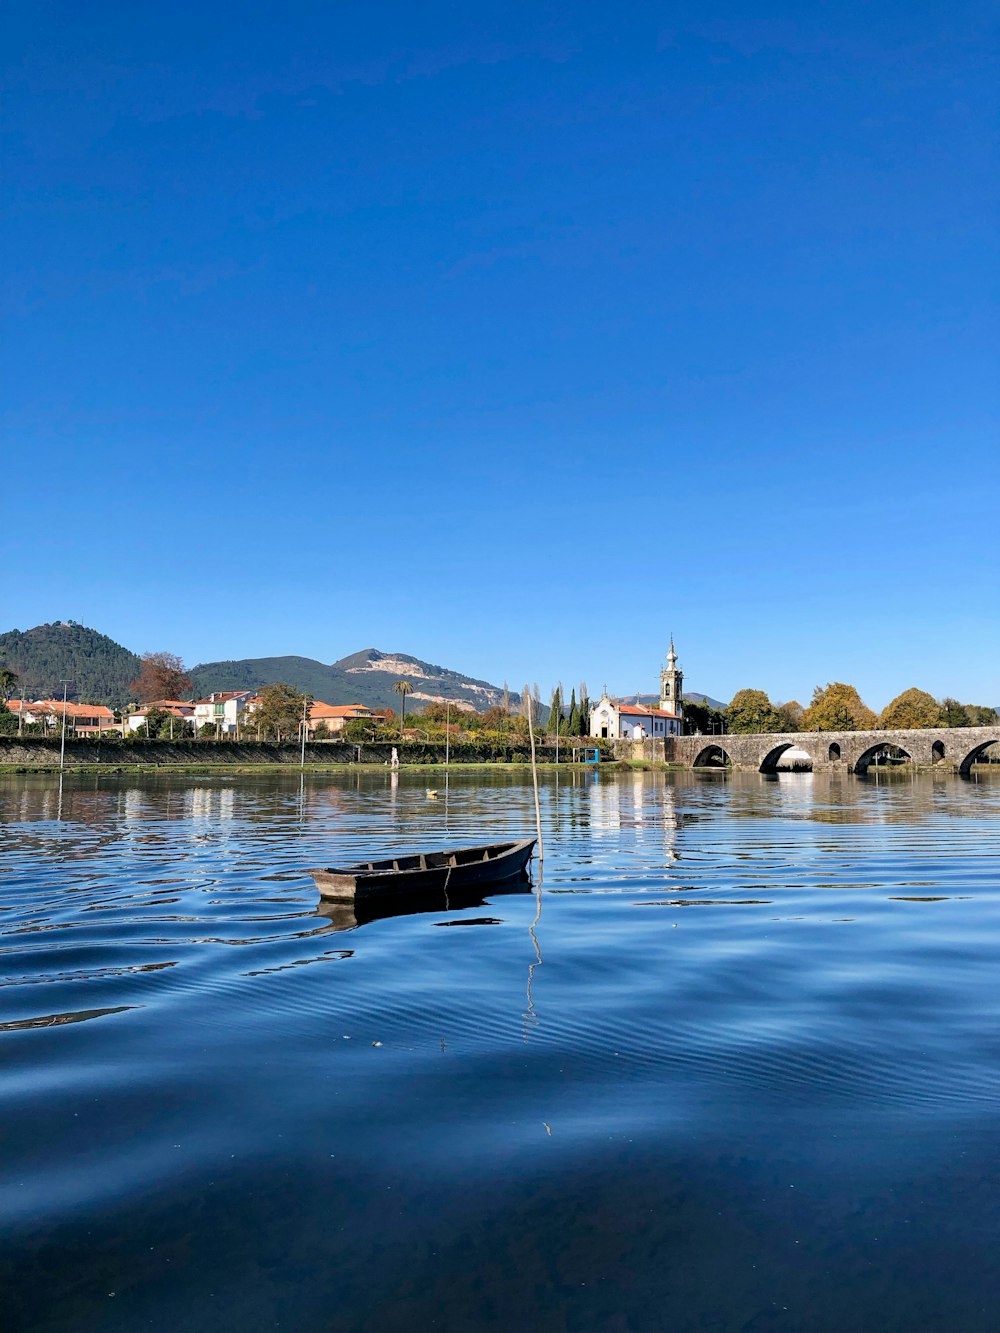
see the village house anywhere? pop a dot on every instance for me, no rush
(84, 719)
(612, 719)
(336, 716)
(180, 709)
(223, 709)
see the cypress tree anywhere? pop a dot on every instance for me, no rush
(555, 709)
(573, 726)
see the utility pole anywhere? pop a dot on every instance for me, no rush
(62, 747)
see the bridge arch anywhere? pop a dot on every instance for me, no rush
(965, 765)
(867, 756)
(769, 764)
(712, 756)
(937, 752)
(833, 753)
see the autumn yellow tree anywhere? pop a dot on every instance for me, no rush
(913, 708)
(837, 707)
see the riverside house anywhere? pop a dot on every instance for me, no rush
(180, 709)
(335, 716)
(84, 719)
(222, 709)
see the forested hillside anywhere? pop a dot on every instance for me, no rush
(98, 669)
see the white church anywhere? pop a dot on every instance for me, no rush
(611, 719)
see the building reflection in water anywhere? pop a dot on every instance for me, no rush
(637, 810)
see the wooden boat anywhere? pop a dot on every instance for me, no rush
(425, 873)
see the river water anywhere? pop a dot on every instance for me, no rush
(733, 1065)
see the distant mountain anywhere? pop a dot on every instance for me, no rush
(99, 670)
(366, 677)
(689, 696)
(705, 699)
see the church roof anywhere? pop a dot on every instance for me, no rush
(640, 710)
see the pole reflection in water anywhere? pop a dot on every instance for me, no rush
(530, 1016)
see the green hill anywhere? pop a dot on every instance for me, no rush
(99, 669)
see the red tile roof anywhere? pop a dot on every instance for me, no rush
(321, 710)
(56, 706)
(640, 710)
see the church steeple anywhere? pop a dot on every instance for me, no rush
(672, 683)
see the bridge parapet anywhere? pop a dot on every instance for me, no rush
(954, 748)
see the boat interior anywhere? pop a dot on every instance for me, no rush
(463, 856)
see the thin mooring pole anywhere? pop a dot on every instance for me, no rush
(558, 720)
(62, 746)
(534, 782)
(302, 761)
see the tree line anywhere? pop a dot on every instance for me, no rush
(834, 707)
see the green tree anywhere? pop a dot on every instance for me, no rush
(954, 714)
(913, 708)
(837, 707)
(791, 714)
(8, 682)
(573, 721)
(751, 711)
(701, 719)
(163, 725)
(555, 710)
(8, 722)
(278, 715)
(980, 715)
(402, 688)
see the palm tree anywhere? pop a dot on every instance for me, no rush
(402, 688)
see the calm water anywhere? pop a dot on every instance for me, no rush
(736, 1066)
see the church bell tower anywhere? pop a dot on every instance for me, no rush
(671, 684)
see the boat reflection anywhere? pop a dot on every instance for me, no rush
(348, 916)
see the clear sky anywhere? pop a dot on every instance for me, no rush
(515, 336)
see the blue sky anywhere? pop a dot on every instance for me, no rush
(512, 336)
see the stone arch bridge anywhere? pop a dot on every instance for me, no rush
(954, 748)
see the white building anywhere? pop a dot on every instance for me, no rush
(611, 719)
(222, 709)
(177, 708)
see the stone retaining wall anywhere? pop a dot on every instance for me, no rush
(43, 752)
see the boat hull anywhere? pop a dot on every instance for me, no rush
(426, 873)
